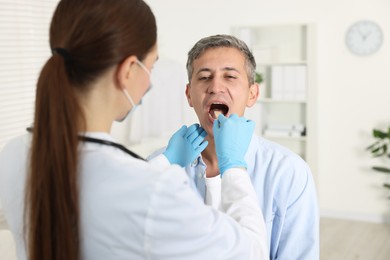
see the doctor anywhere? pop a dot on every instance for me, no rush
(70, 192)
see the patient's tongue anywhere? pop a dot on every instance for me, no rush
(217, 109)
(216, 113)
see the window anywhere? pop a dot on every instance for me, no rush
(24, 48)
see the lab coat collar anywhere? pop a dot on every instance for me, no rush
(99, 135)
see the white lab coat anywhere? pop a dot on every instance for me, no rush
(131, 209)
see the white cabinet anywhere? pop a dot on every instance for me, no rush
(285, 111)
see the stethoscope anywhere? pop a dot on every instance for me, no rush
(109, 143)
(103, 142)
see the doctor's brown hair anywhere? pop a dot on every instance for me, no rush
(87, 37)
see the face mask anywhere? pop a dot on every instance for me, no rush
(127, 95)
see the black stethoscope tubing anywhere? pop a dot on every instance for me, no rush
(103, 142)
(109, 143)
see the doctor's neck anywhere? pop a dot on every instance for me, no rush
(100, 105)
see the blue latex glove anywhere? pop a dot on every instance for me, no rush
(186, 144)
(232, 136)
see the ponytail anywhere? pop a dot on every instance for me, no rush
(52, 206)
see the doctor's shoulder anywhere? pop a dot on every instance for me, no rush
(17, 143)
(13, 162)
(121, 164)
(15, 150)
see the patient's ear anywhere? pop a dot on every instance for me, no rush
(253, 94)
(188, 95)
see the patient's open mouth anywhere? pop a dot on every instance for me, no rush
(217, 109)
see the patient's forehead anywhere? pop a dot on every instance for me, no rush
(220, 57)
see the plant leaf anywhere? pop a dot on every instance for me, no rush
(379, 134)
(258, 78)
(376, 149)
(381, 169)
(373, 145)
(379, 151)
(386, 185)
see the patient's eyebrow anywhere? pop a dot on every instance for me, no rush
(231, 69)
(223, 69)
(203, 70)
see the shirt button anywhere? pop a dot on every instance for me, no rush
(194, 163)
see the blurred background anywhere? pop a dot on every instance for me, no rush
(327, 115)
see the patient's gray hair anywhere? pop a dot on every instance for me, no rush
(222, 40)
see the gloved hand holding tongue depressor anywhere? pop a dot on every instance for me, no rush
(232, 136)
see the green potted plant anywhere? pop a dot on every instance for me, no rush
(259, 78)
(381, 148)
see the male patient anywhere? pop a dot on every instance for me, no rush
(221, 72)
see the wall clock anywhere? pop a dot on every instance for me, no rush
(364, 38)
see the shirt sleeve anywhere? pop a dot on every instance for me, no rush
(301, 223)
(180, 226)
(239, 200)
(159, 161)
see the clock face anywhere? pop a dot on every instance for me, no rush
(364, 38)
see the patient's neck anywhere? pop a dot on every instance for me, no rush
(209, 156)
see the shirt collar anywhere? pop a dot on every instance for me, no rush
(249, 156)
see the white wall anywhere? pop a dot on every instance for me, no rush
(353, 92)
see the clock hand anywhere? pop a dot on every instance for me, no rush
(364, 36)
(360, 32)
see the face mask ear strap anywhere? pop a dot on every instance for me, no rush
(134, 106)
(128, 97)
(143, 66)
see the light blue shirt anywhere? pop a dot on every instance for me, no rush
(287, 195)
